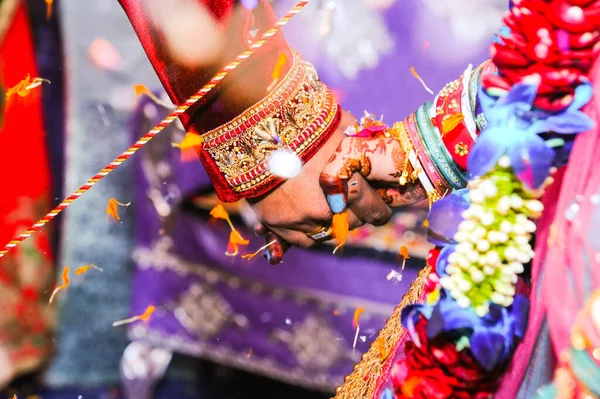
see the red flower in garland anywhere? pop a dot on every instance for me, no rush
(554, 40)
(437, 370)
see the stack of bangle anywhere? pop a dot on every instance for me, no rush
(436, 150)
(432, 181)
(418, 170)
(438, 156)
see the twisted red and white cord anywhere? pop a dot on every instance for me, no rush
(157, 129)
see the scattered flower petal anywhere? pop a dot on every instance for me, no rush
(281, 60)
(404, 252)
(83, 269)
(143, 317)
(394, 275)
(142, 89)
(64, 285)
(235, 237)
(219, 212)
(49, 9)
(340, 228)
(416, 75)
(357, 312)
(235, 240)
(258, 251)
(24, 87)
(112, 210)
(190, 147)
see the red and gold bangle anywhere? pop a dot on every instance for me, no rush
(418, 172)
(453, 99)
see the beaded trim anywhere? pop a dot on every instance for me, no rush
(292, 116)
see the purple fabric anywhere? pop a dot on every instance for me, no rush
(272, 301)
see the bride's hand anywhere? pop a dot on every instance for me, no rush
(380, 160)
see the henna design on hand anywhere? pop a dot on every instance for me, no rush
(385, 196)
(352, 165)
(413, 193)
(405, 195)
(399, 158)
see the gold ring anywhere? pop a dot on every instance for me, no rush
(321, 234)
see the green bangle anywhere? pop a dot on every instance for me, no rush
(480, 120)
(474, 88)
(437, 150)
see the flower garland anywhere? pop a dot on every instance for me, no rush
(475, 314)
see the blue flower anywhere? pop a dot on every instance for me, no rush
(515, 109)
(530, 157)
(492, 338)
(511, 109)
(445, 216)
(513, 128)
(511, 131)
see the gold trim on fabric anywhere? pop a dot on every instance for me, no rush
(366, 376)
(292, 116)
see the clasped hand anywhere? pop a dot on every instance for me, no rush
(361, 176)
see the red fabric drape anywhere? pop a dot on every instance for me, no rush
(26, 273)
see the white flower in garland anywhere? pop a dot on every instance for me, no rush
(493, 241)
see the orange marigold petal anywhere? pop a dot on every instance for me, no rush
(219, 212)
(359, 310)
(112, 209)
(451, 122)
(404, 252)
(340, 226)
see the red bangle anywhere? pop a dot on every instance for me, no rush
(429, 168)
(459, 139)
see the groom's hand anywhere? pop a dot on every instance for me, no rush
(298, 206)
(380, 160)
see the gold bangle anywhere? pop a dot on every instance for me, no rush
(400, 132)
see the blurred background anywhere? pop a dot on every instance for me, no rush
(223, 327)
